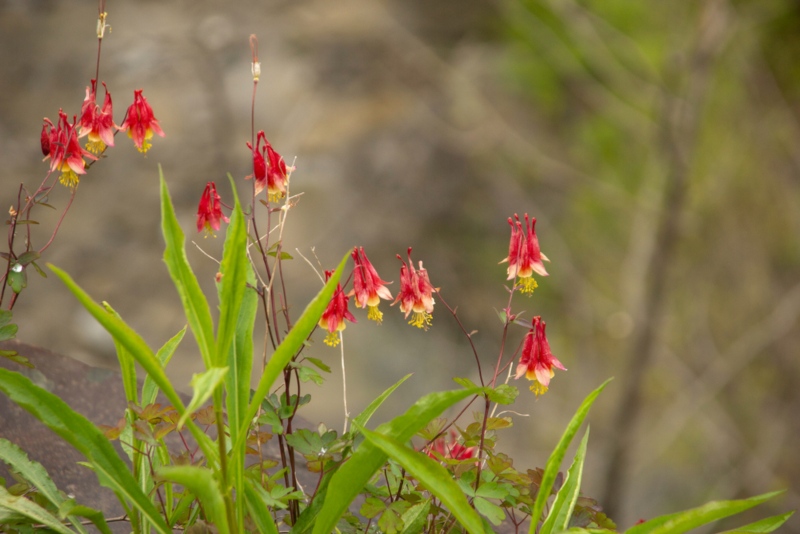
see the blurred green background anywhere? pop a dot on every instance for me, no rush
(655, 142)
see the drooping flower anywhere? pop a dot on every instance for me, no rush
(448, 447)
(416, 293)
(95, 122)
(334, 315)
(269, 169)
(537, 361)
(60, 145)
(209, 211)
(368, 287)
(140, 123)
(524, 256)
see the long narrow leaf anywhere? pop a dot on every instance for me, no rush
(34, 473)
(31, 510)
(363, 418)
(164, 355)
(290, 345)
(433, 476)
(554, 462)
(233, 282)
(194, 302)
(355, 472)
(127, 365)
(203, 386)
(84, 436)
(768, 524)
(134, 343)
(708, 513)
(558, 518)
(202, 483)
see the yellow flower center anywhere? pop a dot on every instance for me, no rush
(332, 339)
(96, 147)
(374, 314)
(538, 388)
(421, 320)
(527, 285)
(69, 178)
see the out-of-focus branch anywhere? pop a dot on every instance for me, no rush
(679, 126)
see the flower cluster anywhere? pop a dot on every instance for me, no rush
(269, 169)
(96, 122)
(334, 315)
(448, 447)
(140, 123)
(416, 293)
(368, 287)
(60, 142)
(60, 145)
(537, 361)
(524, 257)
(209, 211)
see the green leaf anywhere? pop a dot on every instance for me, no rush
(164, 355)
(70, 508)
(194, 302)
(680, 522)
(351, 477)
(554, 462)
(85, 437)
(415, 517)
(503, 394)
(432, 475)
(259, 512)
(14, 356)
(319, 364)
(18, 280)
(290, 345)
(768, 524)
(233, 282)
(134, 343)
(465, 382)
(27, 257)
(489, 510)
(561, 511)
(363, 418)
(31, 510)
(34, 473)
(372, 507)
(5, 317)
(127, 365)
(202, 483)
(8, 331)
(203, 386)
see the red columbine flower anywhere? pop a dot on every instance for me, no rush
(416, 293)
(209, 210)
(140, 122)
(60, 144)
(524, 257)
(97, 123)
(269, 169)
(334, 315)
(368, 287)
(537, 362)
(449, 447)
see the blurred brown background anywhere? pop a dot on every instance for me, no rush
(656, 143)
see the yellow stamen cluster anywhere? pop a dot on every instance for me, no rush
(421, 320)
(374, 314)
(69, 179)
(332, 339)
(527, 285)
(96, 147)
(538, 389)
